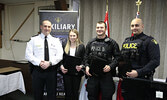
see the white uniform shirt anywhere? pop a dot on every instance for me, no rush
(35, 49)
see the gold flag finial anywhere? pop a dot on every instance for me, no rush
(138, 3)
(107, 5)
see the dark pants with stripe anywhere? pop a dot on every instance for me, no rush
(44, 78)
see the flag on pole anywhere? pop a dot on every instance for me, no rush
(119, 91)
(137, 14)
(107, 23)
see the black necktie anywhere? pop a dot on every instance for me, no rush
(46, 50)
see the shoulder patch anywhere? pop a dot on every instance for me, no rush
(154, 41)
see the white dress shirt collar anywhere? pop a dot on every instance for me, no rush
(43, 36)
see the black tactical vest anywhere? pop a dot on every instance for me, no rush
(131, 49)
(101, 48)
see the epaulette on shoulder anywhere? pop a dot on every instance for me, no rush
(112, 42)
(33, 36)
(153, 40)
(108, 39)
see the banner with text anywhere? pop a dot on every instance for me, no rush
(62, 21)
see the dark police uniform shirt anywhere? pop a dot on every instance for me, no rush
(143, 53)
(105, 48)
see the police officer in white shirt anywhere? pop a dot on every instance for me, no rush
(44, 69)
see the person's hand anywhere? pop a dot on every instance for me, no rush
(41, 64)
(121, 79)
(106, 68)
(78, 68)
(132, 74)
(64, 70)
(44, 64)
(87, 71)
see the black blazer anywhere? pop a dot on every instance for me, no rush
(80, 51)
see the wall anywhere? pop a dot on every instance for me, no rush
(13, 17)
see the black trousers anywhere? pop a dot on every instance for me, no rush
(71, 85)
(103, 84)
(44, 78)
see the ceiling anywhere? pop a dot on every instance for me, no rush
(19, 1)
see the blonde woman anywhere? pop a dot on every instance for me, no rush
(73, 48)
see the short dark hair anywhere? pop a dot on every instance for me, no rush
(45, 20)
(100, 22)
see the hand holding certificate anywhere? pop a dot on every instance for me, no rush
(96, 65)
(71, 62)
